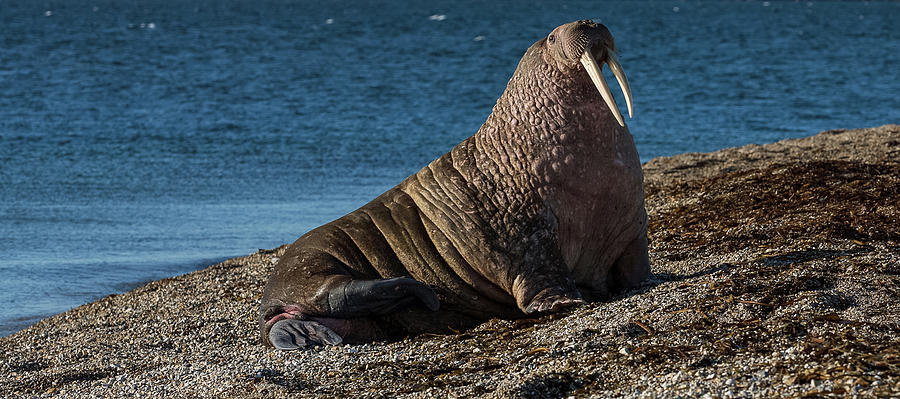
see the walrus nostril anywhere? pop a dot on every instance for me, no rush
(587, 23)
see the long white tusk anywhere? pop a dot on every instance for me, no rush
(616, 68)
(593, 69)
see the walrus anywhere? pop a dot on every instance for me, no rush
(540, 210)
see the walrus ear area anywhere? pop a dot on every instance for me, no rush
(553, 45)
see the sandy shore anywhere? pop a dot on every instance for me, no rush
(776, 273)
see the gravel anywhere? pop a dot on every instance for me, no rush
(776, 272)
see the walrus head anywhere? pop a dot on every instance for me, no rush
(571, 57)
(589, 44)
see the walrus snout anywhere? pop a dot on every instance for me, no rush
(578, 36)
(590, 44)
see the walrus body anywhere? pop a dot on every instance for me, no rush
(543, 204)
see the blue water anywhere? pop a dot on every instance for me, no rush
(140, 140)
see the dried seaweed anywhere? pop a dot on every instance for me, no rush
(804, 203)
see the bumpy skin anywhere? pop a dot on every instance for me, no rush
(543, 204)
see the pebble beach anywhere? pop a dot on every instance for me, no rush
(776, 272)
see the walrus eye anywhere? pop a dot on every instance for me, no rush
(551, 39)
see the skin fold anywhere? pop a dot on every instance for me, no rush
(540, 210)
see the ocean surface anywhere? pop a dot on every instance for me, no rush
(145, 139)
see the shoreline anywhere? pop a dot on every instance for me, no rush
(776, 272)
(15, 324)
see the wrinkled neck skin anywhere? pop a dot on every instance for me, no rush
(552, 123)
(552, 136)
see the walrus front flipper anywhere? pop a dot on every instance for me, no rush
(363, 297)
(554, 303)
(632, 267)
(546, 291)
(293, 334)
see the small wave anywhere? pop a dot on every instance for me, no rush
(143, 25)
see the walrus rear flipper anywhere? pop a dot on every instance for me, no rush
(290, 334)
(343, 310)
